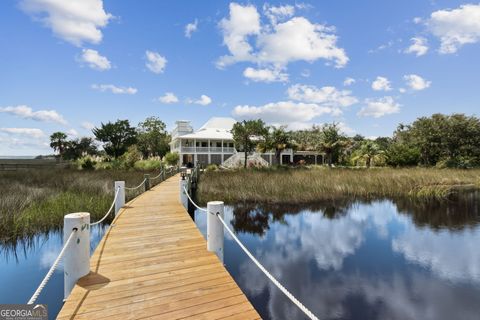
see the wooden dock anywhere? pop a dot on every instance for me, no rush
(153, 263)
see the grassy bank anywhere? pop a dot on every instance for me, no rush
(33, 201)
(312, 184)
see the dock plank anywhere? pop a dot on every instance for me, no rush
(153, 263)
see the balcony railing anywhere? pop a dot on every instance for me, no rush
(205, 149)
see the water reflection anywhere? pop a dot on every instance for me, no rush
(23, 265)
(366, 260)
(457, 214)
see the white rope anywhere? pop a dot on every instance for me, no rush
(157, 176)
(109, 210)
(199, 208)
(137, 186)
(290, 296)
(52, 269)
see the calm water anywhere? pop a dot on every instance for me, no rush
(23, 267)
(378, 260)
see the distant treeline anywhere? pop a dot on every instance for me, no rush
(439, 140)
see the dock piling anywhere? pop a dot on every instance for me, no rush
(215, 232)
(120, 202)
(76, 263)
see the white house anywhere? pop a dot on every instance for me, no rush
(213, 143)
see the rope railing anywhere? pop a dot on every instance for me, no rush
(52, 268)
(75, 230)
(134, 188)
(287, 293)
(158, 176)
(109, 210)
(192, 202)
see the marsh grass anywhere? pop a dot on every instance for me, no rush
(35, 201)
(311, 184)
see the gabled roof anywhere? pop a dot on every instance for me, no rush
(219, 123)
(215, 128)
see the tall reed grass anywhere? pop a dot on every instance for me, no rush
(304, 185)
(33, 201)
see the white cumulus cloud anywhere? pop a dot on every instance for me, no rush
(381, 84)
(379, 107)
(348, 81)
(278, 13)
(95, 60)
(155, 62)
(168, 97)
(305, 103)
(29, 132)
(415, 82)
(114, 89)
(244, 21)
(191, 28)
(265, 75)
(419, 46)
(456, 27)
(72, 133)
(299, 39)
(204, 100)
(327, 96)
(75, 21)
(26, 112)
(283, 112)
(276, 44)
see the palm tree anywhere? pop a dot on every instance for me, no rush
(58, 142)
(330, 141)
(369, 151)
(276, 139)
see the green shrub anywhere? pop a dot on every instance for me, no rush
(148, 165)
(87, 163)
(211, 167)
(402, 155)
(457, 162)
(172, 158)
(130, 157)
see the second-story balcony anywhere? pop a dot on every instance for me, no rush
(185, 149)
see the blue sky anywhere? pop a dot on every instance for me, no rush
(68, 65)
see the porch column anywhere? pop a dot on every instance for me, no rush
(194, 152)
(209, 156)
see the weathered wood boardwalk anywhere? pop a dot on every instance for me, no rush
(153, 263)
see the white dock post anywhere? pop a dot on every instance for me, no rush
(76, 261)
(183, 196)
(120, 202)
(215, 234)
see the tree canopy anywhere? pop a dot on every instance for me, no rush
(152, 137)
(244, 133)
(116, 137)
(453, 140)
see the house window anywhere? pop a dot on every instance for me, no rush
(204, 144)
